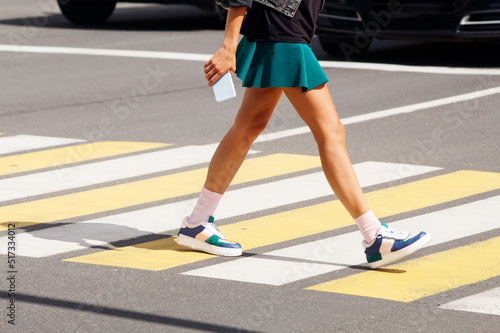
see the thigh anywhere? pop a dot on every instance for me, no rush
(316, 108)
(258, 105)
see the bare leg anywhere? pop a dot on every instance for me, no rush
(316, 108)
(200, 233)
(255, 111)
(383, 245)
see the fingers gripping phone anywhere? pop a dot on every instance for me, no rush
(224, 88)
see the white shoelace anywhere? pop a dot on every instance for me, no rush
(213, 228)
(394, 233)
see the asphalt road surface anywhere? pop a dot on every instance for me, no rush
(106, 133)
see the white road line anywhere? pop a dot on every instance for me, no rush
(206, 57)
(19, 143)
(409, 69)
(108, 229)
(487, 302)
(105, 52)
(312, 186)
(326, 64)
(387, 113)
(105, 171)
(327, 255)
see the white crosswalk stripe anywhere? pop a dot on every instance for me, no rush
(327, 255)
(276, 268)
(487, 302)
(20, 143)
(251, 199)
(105, 171)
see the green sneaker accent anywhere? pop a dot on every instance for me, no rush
(374, 257)
(214, 240)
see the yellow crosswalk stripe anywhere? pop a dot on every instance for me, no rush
(164, 253)
(425, 276)
(62, 156)
(145, 191)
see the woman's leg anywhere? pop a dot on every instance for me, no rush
(383, 244)
(316, 108)
(197, 231)
(255, 111)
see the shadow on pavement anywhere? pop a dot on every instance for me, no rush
(317, 262)
(121, 313)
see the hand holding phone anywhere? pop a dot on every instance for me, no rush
(224, 88)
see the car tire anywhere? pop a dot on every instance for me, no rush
(346, 47)
(86, 11)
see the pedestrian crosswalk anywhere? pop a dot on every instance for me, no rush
(91, 194)
(424, 276)
(330, 254)
(18, 143)
(306, 221)
(486, 302)
(104, 171)
(60, 157)
(166, 217)
(152, 189)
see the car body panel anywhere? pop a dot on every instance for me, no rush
(464, 20)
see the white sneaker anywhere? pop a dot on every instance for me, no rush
(207, 238)
(393, 244)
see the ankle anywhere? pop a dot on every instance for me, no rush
(368, 225)
(204, 208)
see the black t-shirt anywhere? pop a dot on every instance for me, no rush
(265, 24)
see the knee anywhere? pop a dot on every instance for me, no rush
(250, 130)
(331, 135)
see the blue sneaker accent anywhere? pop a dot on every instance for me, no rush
(373, 252)
(207, 238)
(191, 232)
(392, 244)
(401, 244)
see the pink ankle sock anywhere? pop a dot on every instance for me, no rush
(368, 225)
(205, 207)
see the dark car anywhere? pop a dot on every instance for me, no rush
(98, 11)
(347, 27)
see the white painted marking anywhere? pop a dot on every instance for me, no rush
(106, 52)
(326, 64)
(18, 143)
(327, 255)
(105, 171)
(206, 57)
(387, 113)
(409, 69)
(487, 302)
(108, 229)
(308, 187)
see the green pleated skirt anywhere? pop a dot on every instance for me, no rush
(276, 64)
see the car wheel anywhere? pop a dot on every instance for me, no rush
(347, 47)
(86, 11)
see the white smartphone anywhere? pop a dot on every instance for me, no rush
(224, 88)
